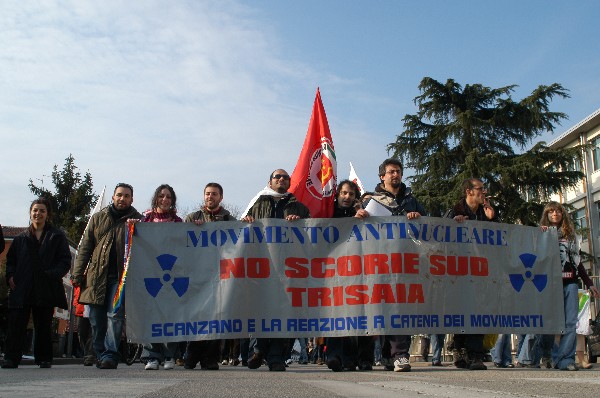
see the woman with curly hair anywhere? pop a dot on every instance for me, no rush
(563, 354)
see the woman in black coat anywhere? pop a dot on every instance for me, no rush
(35, 264)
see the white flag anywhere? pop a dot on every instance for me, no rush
(100, 204)
(354, 177)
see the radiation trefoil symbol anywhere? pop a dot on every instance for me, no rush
(538, 280)
(179, 284)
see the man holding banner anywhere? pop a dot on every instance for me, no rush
(207, 351)
(393, 197)
(468, 348)
(98, 269)
(274, 202)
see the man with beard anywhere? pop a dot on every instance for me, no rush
(274, 202)
(345, 353)
(98, 269)
(207, 351)
(395, 196)
(467, 349)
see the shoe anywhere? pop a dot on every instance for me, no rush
(334, 364)
(526, 365)
(402, 365)
(571, 367)
(499, 365)
(8, 364)
(436, 363)
(378, 363)
(152, 364)
(477, 364)
(256, 361)
(365, 366)
(460, 358)
(546, 362)
(289, 361)
(89, 361)
(586, 365)
(179, 362)
(225, 362)
(305, 362)
(210, 366)
(235, 362)
(244, 362)
(277, 367)
(320, 362)
(188, 366)
(45, 365)
(169, 364)
(108, 364)
(510, 365)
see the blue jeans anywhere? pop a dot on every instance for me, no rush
(564, 353)
(501, 353)
(437, 343)
(107, 327)
(160, 351)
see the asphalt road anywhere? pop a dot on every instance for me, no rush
(74, 380)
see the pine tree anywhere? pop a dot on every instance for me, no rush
(474, 132)
(72, 199)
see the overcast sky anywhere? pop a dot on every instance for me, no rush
(189, 92)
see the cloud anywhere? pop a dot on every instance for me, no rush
(147, 93)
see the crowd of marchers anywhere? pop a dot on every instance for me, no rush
(39, 258)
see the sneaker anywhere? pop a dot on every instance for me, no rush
(8, 364)
(277, 367)
(169, 364)
(402, 365)
(477, 364)
(289, 361)
(334, 364)
(378, 363)
(365, 366)
(256, 361)
(546, 363)
(210, 366)
(108, 364)
(571, 367)
(460, 359)
(225, 362)
(152, 364)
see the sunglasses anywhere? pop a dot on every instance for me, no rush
(278, 176)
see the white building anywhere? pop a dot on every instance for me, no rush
(585, 198)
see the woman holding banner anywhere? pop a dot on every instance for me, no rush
(563, 355)
(36, 262)
(163, 210)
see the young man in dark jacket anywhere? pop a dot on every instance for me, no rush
(468, 349)
(395, 196)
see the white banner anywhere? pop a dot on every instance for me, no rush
(339, 277)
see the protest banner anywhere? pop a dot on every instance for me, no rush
(339, 277)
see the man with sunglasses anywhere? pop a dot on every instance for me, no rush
(467, 349)
(98, 269)
(274, 202)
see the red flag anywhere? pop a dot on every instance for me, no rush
(315, 176)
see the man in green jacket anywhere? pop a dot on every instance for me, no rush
(98, 270)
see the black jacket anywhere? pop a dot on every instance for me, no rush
(462, 209)
(37, 269)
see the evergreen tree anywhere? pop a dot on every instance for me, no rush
(72, 199)
(474, 132)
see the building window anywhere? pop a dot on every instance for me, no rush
(596, 152)
(579, 219)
